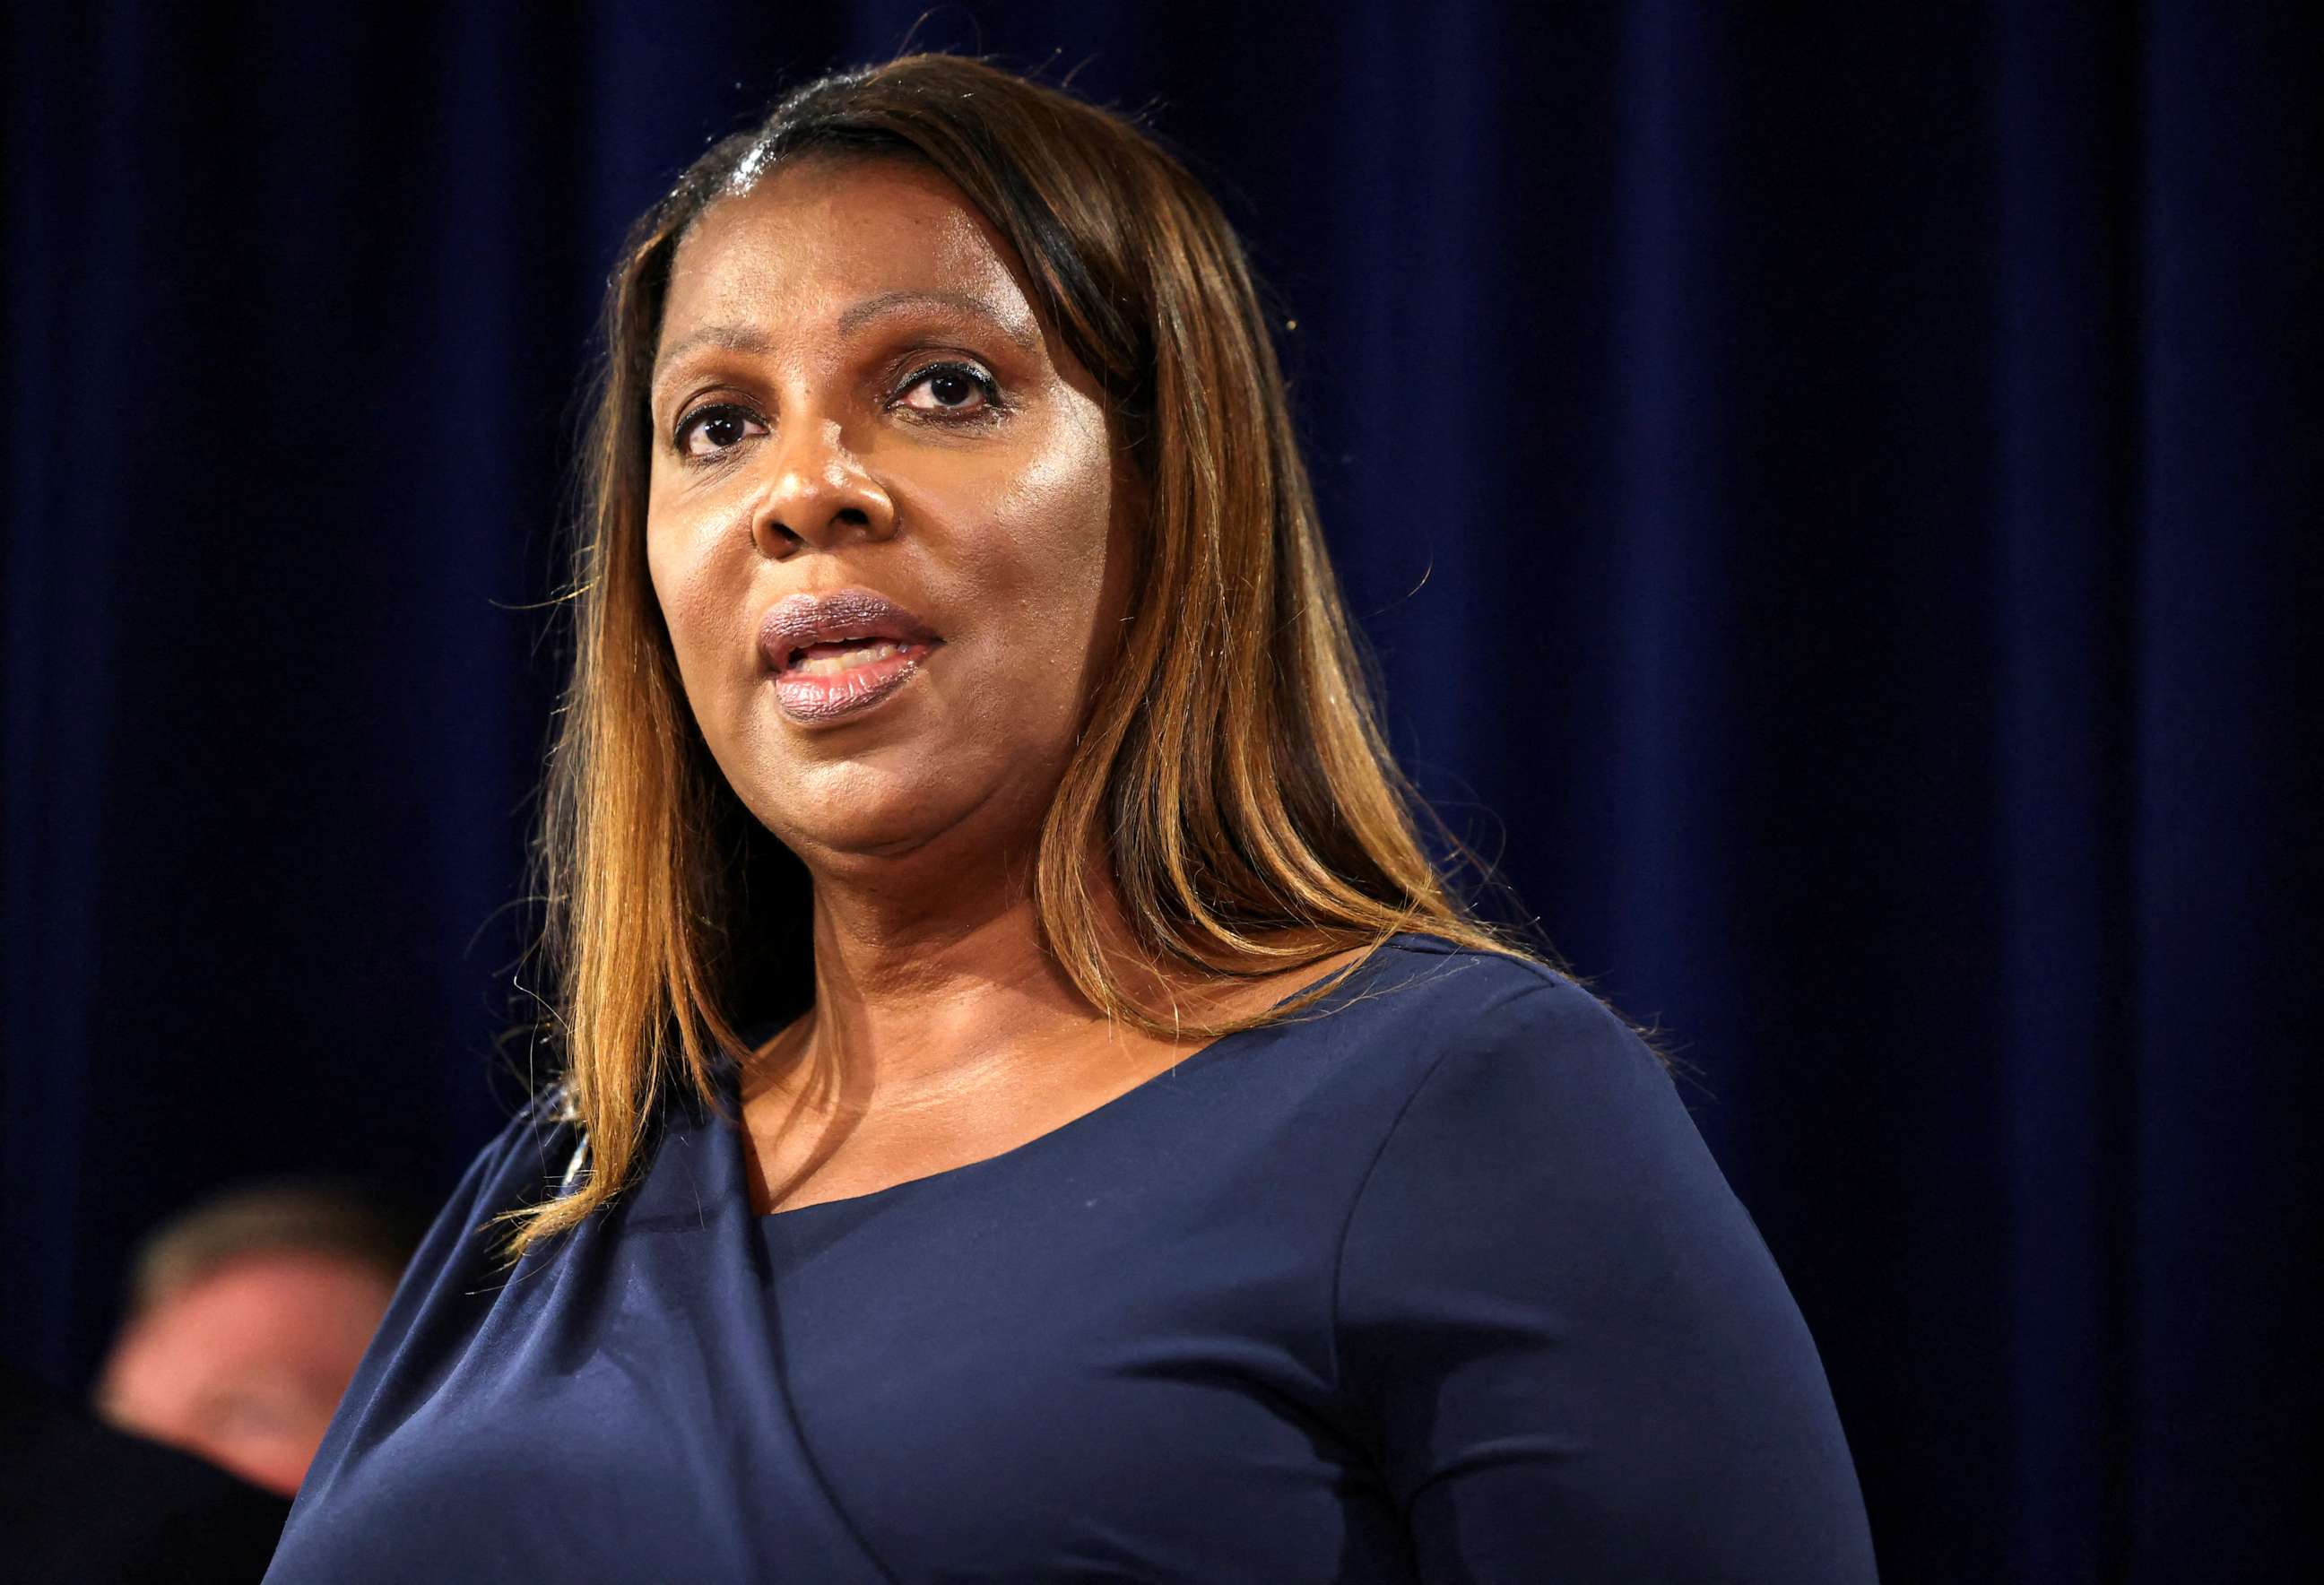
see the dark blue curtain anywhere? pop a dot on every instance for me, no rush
(1835, 492)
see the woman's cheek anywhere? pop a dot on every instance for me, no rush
(689, 588)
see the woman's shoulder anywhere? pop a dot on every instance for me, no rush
(1440, 1000)
(536, 1154)
(451, 1278)
(536, 1143)
(1558, 1322)
(1479, 1040)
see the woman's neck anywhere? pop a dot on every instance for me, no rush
(919, 993)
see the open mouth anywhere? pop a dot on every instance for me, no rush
(844, 656)
(839, 654)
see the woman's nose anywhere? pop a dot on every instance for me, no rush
(820, 496)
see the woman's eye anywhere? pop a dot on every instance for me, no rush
(709, 430)
(949, 389)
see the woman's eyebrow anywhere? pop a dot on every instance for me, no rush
(744, 338)
(959, 303)
(752, 339)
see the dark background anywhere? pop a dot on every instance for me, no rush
(1834, 490)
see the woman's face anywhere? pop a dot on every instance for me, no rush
(884, 524)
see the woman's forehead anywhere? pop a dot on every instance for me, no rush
(824, 245)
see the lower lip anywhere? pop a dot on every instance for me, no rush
(841, 695)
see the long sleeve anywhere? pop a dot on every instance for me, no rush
(1565, 1338)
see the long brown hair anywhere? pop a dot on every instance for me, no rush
(1230, 767)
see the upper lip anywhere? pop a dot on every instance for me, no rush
(798, 620)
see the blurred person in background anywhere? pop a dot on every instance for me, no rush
(247, 1316)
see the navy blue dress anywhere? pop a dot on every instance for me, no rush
(1437, 1282)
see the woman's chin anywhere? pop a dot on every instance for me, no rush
(835, 825)
(875, 812)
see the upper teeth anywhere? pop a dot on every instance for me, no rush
(857, 653)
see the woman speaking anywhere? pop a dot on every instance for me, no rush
(1026, 1106)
